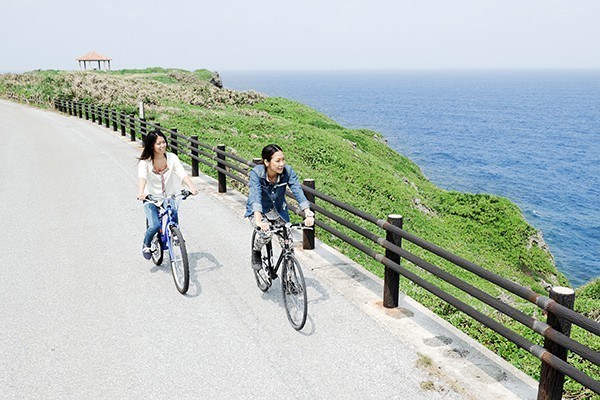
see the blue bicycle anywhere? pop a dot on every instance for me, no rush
(169, 237)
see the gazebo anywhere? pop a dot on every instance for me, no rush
(92, 56)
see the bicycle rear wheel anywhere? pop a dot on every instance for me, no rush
(293, 287)
(157, 249)
(179, 260)
(263, 278)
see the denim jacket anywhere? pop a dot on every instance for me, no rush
(264, 196)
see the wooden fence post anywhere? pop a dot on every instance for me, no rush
(221, 178)
(551, 380)
(132, 127)
(391, 279)
(113, 114)
(308, 235)
(99, 115)
(122, 122)
(194, 152)
(107, 117)
(143, 128)
(174, 142)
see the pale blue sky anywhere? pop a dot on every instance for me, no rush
(304, 34)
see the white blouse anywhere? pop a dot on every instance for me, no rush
(164, 183)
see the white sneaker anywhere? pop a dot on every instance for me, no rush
(147, 252)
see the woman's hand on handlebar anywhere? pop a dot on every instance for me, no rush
(141, 196)
(262, 225)
(309, 221)
(309, 218)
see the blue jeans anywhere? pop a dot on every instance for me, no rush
(151, 212)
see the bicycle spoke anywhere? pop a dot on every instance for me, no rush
(179, 260)
(157, 249)
(294, 293)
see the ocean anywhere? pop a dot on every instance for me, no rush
(532, 136)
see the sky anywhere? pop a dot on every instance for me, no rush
(302, 34)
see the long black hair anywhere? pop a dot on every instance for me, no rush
(148, 152)
(269, 150)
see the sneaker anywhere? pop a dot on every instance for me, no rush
(256, 260)
(147, 252)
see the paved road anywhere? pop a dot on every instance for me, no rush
(84, 316)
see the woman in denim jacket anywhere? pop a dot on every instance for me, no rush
(266, 201)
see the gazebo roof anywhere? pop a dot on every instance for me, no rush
(93, 56)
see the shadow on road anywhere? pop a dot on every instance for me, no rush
(200, 262)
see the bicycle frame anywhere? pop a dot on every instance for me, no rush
(166, 216)
(284, 234)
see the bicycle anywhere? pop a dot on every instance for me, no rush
(293, 285)
(169, 237)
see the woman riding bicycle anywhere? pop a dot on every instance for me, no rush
(160, 173)
(266, 201)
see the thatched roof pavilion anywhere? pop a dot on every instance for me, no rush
(92, 56)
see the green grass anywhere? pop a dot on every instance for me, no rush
(357, 167)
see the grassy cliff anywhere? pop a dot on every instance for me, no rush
(353, 165)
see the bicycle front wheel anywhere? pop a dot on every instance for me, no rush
(294, 292)
(179, 260)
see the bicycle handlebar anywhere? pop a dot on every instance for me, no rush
(278, 227)
(184, 195)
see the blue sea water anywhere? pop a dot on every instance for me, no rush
(532, 136)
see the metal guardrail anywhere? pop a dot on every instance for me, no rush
(559, 306)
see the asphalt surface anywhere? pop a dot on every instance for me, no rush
(84, 316)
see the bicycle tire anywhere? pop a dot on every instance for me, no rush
(293, 288)
(179, 260)
(157, 249)
(263, 278)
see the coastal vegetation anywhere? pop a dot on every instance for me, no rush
(357, 167)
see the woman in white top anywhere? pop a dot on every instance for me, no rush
(160, 173)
